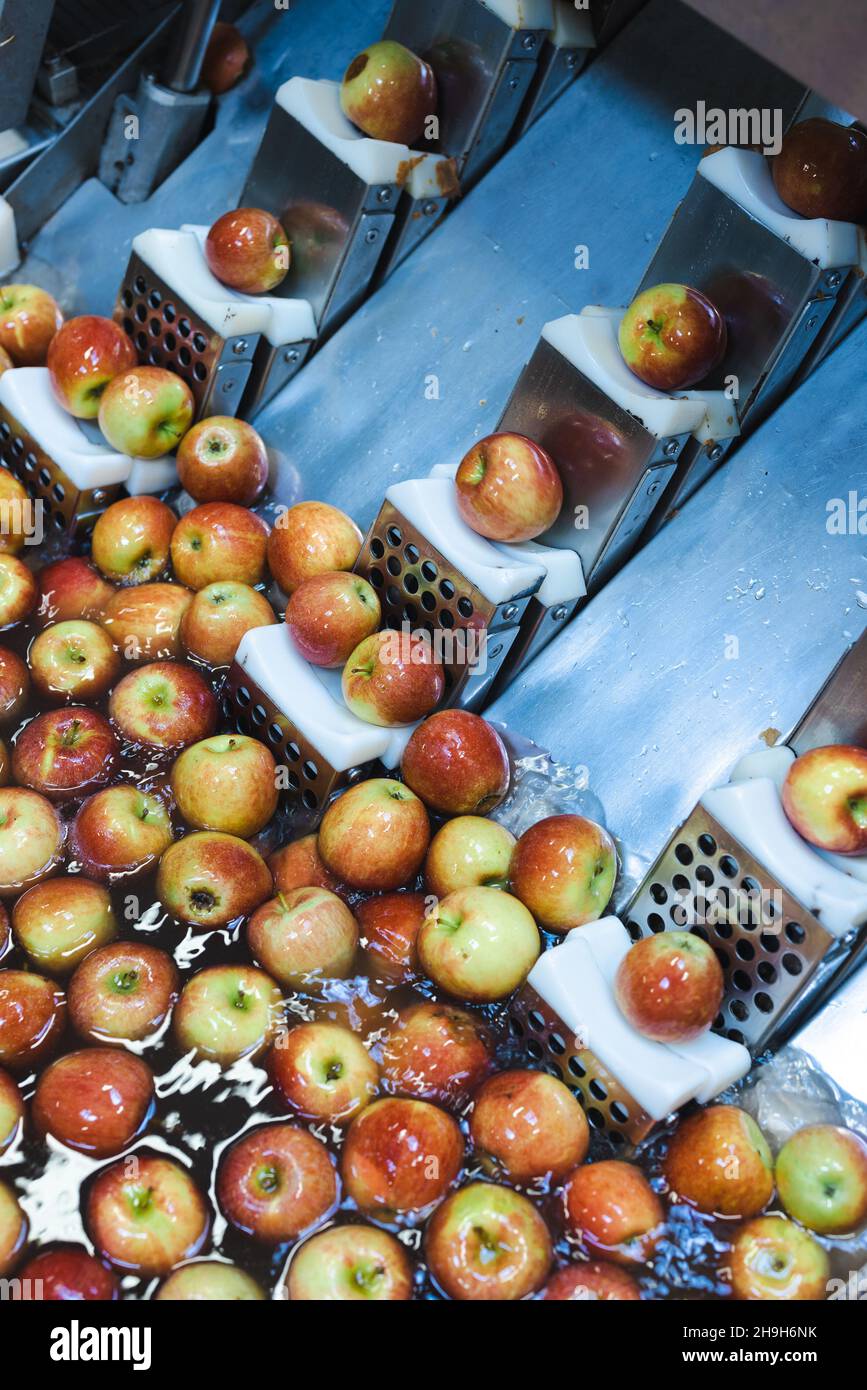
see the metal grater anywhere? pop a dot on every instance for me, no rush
(65, 507)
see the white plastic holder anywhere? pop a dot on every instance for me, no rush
(10, 256)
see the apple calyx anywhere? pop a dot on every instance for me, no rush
(202, 899)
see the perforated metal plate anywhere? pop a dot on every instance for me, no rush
(768, 944)
(65, 508)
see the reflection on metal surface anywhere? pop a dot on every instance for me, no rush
(839, 712)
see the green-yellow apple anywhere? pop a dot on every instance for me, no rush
(73, 661)
(306, 934)
(393, 678)
(71, 588)
(821, 1176)
(32, 1017)
(209, 1281)
(227, 782)
(773, 1259)
(222, 459)
(479, 944)
(218, 618)
(58, 922)
(248, 250)
(66, 753)
(531, 1124)
(563, 870)
(209, 879)
(401, 1156)
(323, 1072)
(120, 832)
(436, 1052)
(132, 539)
(389, 93)
(825, 797)
(11, 1111)
(821, 170)
(469, 852)
(146, 411)
(13, 1229)
(349, 1264)
(144, 623)
(390, 924)
(595, 1281)
(147, 1216)
(276, 1182)
(29, 319)
(671, 337)
(329, 614)
(375, 835)
(31, 839)
(457, 763)
(163, 705)
(84, 355)
(218, 541)
(508, 488)
(612, 1210)
(486, 1243)
(718, 1161)
(97, 1100)
(308, 539)
(19, 592)
(670, 986)
(226, 1012)
(122, 992)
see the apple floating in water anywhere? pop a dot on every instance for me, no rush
(479, 944)
(131, 540)
(457, 763)
(436, 1052)
(219, 616)
(67, 1274)
(772, 1260)
(401, 1156)
(563, 869)
(64, 754)
(218, 541)
(389, 93)
(821, 1175)
(825, 797)
(74, 661)
(469, 852)
(350, 1264)
(226, 782)
(276, 1182)
(203, 1281)
(670, 986)
(613, 1211)
(718, 1161)
(530, 1124)
(821, 170)
(671, 337)
(146, 1217)
(122, 992)
(487, 1242)
(323, 1072)
(375, 835)
(222, 459)
(304, 935)
(390, 924)
(311, 538)
(120, 832)
(96, 1100)
(144, 623)
(595, 1281)
(248, 250)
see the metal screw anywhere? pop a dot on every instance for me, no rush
(811, 323)
(239, 347)
(509, 611)
(513, 82)
(653, 489)
(833, 280)
(99, 496)
(429, 209)
(383, 195)
(559, 614)
(670, 448)
(715, 453)
(291, 355)
(372, 235)
(572, 61)
(528, 41)
(228, 387)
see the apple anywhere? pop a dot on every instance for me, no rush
(478, 944)
(32, 1015)
(209, 879)
(144, 623)
(5, 764)
(71, 588)
(227, 58)
(131, 540)
(400, 1156)
(821, 1176)
(120, 832)
(308, 933)
(469, 852)
(65, 753)
(122, 993)
(298, 865)
(66, 1274)
(19, 592)
(218, 618)
(457, 763)
(248, 250)
(11, 1111)
(97, 1100)
(773, 1259)
(222, 459)
(227, 1012)
(218, 541)
(563, 870)
(73, 661)
(163, 705)
(718, 1161)
(375, 835)
(323, 1072)
(436, 1052)
(146, 1214)
(5, 361)
(58, 922)
(671, 337)
(14, 686)
(209, 1281)
(825, 797)
(13, 1229)
(329, 615)
(670, 986)
(308, 539)
(31, 839)
(390, 924)
(348, 1264)
(508, 488)
(5, 932)
(16, 514)
(145, 412)
(487, 1242)
(227, 782)
(596, 1281)
(531, 1124)
(393, 678)
(611, 1208)
(84, 355)
(389, 93)
(821, 170)
(276, 1182)
(29, 319)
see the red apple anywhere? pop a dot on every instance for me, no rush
(31, 840)
(323, 1072)
(821, 170)
(595, 1281)
(308, 539)
(145, 622)
(531, 1124)
(390, 924)
(469, 852)
(825, 797)
(478, 944)
(84, 355)
(123, 992)
(209, 1281)
(401, 1156)
(612, 1209)
(437, 1052)
(119, 833)
(5, 932)
(389, 93)
(298, 865)
(219, 616)
(19, 592)
(14, 686)
(163, 705)
(375, 835)
(97, 1100)
(65, 753)
(227, 58)
(13, 1229)
(71, 588)
(219, 541)
(276, 1182)
(719, 1162)
(228, 782)
(222, 459)
(457, 763)
(132, 538)
(330, 614)
(146, 1215)
(73, 661)
(773, 1259)
(671, 337)
(18, 515)
(488, 1243)
(58, 922)
(248, 250)
(348, 1264)
(209, 879)
(563, 870)
(670, 986)
(821, 1175)
(145, 412)
(227, 1012)
(11, 1111)
(508, 488)
(307, 934)
(29, 319)
(67, 1275)
(32, 1014)
(393, 678)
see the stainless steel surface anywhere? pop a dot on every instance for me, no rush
(839, 712)
(835, 1037)
(188, 43)
(23, 27)
(555, 70)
